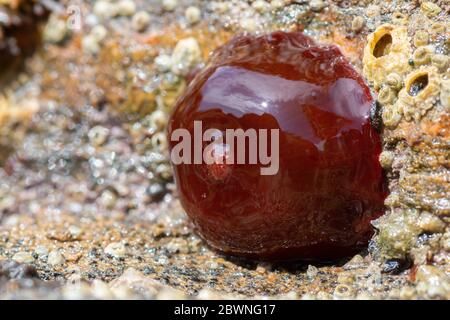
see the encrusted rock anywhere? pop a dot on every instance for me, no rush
(411, 81)
(387, 50)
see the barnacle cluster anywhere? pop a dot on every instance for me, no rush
(387, 52)
(407, 63)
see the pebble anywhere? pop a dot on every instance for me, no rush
(276, 4)
(41, 251)
(140, 21)
(373, 11)
(356, 262)
(56, 30)
(260, 6)
(312, 271)
(90, 44)
(163, 62)
(358, 23)
(386, 159)
(108, 199)
(23, 257)
(185, 56)
(99, 32)
(317, 5)
(263, 268)
(193, 15)
(75, 232)
(169, 5)
(177, 246)
(159, 119)
(55, 258)
(116, 249)
(105, 9)
(98, 135)
(126, 8)
(248, 24)
(156, 192)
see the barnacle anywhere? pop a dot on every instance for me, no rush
(387, 95)
(440, 61)
(422, 55)
(430, 9)
(391, 116)
(420, 92)
(395, 81)
(387, 51)
(421, 38)
(399, 18)
(438, 27)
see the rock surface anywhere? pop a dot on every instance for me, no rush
(67, 191)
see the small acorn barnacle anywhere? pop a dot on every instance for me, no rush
(422, 55)
(438, 27)
(430, 9)
(399, 18)
(387, 51)
(391, 116)
(420, 92)
(395, 81)
(421, 38)
(387, 95)
(440, 61)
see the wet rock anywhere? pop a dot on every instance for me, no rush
(433, 282)
(116, 250)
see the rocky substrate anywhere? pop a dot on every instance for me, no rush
(87, 202)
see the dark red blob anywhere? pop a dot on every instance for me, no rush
(329, 185)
